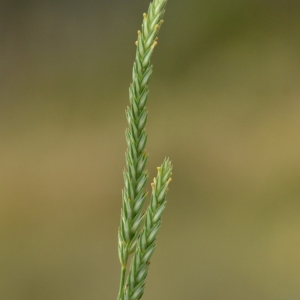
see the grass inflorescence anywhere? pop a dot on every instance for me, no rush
(138, 230)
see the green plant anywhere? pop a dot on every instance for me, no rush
(132, 239)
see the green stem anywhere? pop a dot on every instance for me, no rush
(122, 281)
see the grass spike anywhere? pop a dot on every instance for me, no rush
(131, 238)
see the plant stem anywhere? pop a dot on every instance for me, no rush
(122, 281)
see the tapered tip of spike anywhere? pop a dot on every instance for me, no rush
(136, 43)
(139, 32)
(144, 15)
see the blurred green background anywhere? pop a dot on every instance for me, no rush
(224, 106)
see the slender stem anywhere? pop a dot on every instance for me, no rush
(122, 281)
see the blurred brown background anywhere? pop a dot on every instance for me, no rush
(224, 106)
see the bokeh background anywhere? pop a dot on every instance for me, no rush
(224, 106)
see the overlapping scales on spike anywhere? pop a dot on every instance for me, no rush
(147, 241)
(135, 175)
